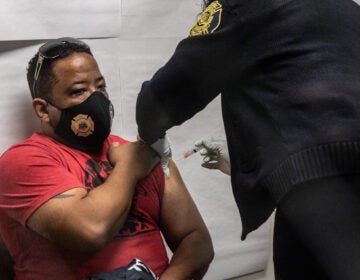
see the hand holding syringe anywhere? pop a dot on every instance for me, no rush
(215, 153)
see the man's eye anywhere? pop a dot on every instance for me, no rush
(78, 91)
(103, 86)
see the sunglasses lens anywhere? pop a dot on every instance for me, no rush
(52, 48)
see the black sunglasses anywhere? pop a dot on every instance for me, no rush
(51, 50)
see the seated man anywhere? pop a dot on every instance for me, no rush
(76, 201)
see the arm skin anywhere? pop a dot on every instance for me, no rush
(6, 263)
(85, 221)
(184, 231)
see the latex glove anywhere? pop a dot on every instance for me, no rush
(162, 147)
(215, 153)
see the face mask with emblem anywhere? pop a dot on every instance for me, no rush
(86, 126)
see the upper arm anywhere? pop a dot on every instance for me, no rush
(32, 175)
(179, 214)
(56, 219)
(36, 177)
(45, 190)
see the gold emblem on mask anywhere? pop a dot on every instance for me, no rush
(82, 125)
(209, 20)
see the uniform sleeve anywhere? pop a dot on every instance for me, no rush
(31, 175)
(195, 74)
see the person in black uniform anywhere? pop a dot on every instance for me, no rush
(288, 72)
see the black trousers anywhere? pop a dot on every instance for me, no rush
(317, 231)
(135, 270)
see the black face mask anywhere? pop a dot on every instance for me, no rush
(86, 126)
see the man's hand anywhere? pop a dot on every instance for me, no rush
(162, 147)
(215, 153)
(138, 157)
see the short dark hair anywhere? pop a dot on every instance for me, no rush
(47, 78)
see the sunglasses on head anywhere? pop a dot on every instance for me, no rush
(51, 50)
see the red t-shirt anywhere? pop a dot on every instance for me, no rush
(40, 168)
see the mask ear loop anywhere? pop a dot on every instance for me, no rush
(52, 104)
(56, 107)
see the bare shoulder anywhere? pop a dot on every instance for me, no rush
(179, 213)
(175, 192)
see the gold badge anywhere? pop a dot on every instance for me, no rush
(209, 20)
(82, 125)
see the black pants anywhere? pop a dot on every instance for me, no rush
(136, 270)
(317, 231)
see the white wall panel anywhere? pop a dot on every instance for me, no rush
(39, 19)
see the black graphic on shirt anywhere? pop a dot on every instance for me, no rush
(136, 223)
(96, 172)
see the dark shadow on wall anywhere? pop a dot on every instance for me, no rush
(6, 46)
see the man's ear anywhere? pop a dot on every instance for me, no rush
(40, 107)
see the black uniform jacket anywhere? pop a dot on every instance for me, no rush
(288, 72)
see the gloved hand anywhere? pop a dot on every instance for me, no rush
(162, 147)
(215, 153)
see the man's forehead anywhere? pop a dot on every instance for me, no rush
(77, 61)
(79, 64)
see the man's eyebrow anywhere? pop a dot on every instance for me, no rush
(99, 79)
(76, 83)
